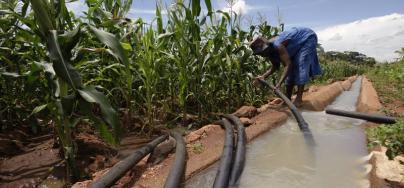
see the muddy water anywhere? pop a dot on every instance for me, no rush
(281, 157)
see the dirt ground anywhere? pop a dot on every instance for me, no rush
(41, 160)
(396, 108)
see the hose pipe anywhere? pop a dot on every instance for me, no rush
(118, 170)
(363, 116)
(303, 125)
(301, 122)
(223, 173)
(240, 155)
(177, 172)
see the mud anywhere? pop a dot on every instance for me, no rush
(41, 161)
(27, 169)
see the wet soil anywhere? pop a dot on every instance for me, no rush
(40, 164)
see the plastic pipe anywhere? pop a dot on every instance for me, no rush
(301, 122)
(304, 127)
(240, 155)
(177, 172)
(364, 116)
(223, 173)
(118, 170)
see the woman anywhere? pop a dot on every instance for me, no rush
(296, 50)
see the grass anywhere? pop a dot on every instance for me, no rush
(388, 80)
(389, 136)
(337, 70)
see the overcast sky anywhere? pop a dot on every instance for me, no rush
(373, 27)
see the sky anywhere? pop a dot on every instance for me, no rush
(360, 25)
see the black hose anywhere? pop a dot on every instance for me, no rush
(239, 159)
(118, 170)
(223, 173)
(304, 127)
(358, 115)
(302, 124)
(177, 171)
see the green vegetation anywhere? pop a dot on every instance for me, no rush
(338, 70)
(388, 80)
(59, 72)
(390, 136)
(339, 65)
(194, 64)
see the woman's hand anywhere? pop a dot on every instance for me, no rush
(278, 86)
(257, 82)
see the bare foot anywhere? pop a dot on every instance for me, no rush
(276, 101)
(298, 103)
(277, 105)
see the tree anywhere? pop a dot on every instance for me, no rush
(401, 54)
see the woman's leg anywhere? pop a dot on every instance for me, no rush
(299, 97)
(289, 90)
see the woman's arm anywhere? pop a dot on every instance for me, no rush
(285, 59)
(269, 72)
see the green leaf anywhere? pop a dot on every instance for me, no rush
(68, 40)
(62, 68)
(91, 95)
(105, 133)
(38, 109)
(126, 46)
(68, 104)
(11, 74)
(161, 36)
(42, 15)
(203, 21)
(209, 7)
(196, 7)
(112, 42)
(159, 19)
(225, 14)
(4, 12)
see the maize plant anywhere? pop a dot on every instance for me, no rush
(68, 68)
(69, 100)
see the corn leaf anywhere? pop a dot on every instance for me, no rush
(209, 7)
(112, 42)
(159, 19)
(196, 7)
(42, 15)
(39, 108)
(69, 39)
(91, 95)
(62, 68)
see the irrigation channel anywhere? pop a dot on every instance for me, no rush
(282, 158)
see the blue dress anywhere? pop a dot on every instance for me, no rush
(302, 43)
